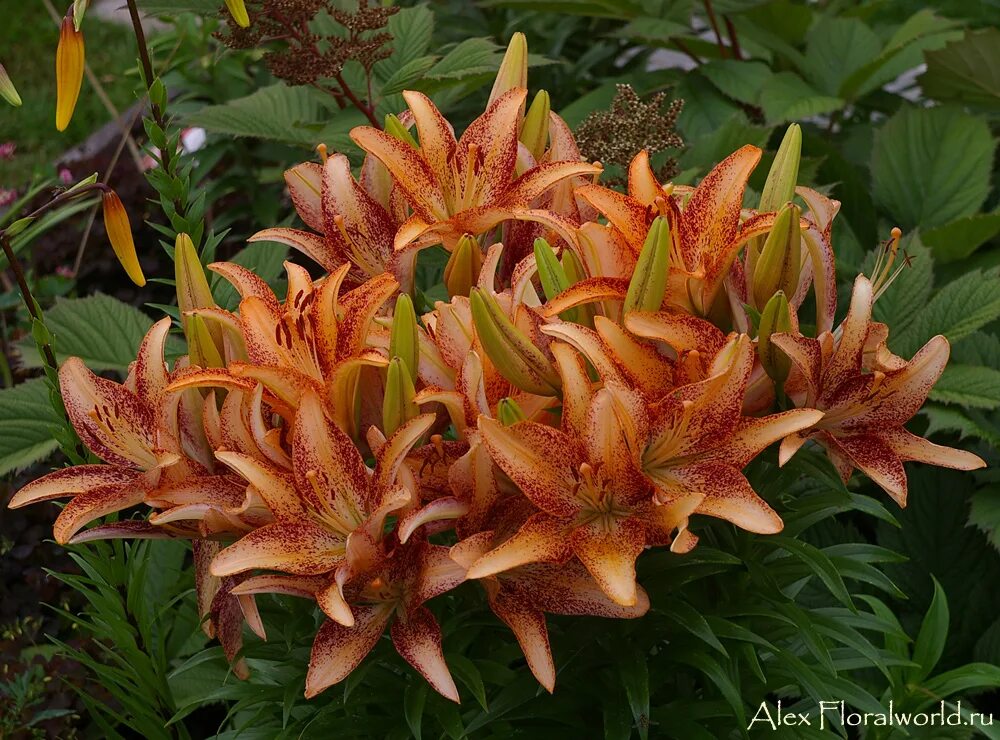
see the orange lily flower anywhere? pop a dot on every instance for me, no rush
(594, 504)
(393, 591)
(522, 596)
(128, 426)
(867, 394)
(467, 185)
(353, 226)
(330, 512)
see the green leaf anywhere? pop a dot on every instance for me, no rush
(635, 677)
(960, 238)
(414, 699)
(835, 48)
(278, 113)
(738, 80)
(973, 676)
(966, 70)
(985, 513)
(27, 419)
(968, 385)
(932, 637)
(968, 423)
(787, 97)
(957, 310)
(172, 7)
(103, 331)
(820, 565)
(931, 166)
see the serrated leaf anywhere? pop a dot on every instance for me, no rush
(921, 176)
(985, 513)
(966, 70)
(277, 113)
(738, 80)
(103, 331)
(957, 310)
(787, 97)
(968, 385)
(27, 419)
(960, 238)
(835, 48)
(968, 423)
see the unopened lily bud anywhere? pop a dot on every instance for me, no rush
(512, 353)
(69, 72)
(120, 235)
(7, 90)
(193, 292)
(552, 275)
(395, 128)
(238, 10)
(464, 264)
(398, 406)
(780, 260)
(775, 319)
(575, 272)
(404, 337)
(779, 188)
(202, 348)
(649, 281)
(509, 413)
(535, 130)
(513, 70)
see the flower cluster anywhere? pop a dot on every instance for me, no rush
(604, 368)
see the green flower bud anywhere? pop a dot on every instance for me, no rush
(404, 337)
(512, 353)
(776, 318)
(509, 413)
(398, 406)
(649, 281)
(780, 260)
(464, 264)
(535, 131)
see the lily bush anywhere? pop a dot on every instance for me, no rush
(616, 396)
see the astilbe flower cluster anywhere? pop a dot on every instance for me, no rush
(594, 381)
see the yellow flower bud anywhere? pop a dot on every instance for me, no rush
(464, 264)
(7, 90)
(202, 348)
(780, 260)
(512, 353)
(535, 131)
(238, 10)
(120, 235)
(513, 70)
(404, 337)
(509, 413)
(69, 72)
(776, 318)
(649, 280)
(398, 406)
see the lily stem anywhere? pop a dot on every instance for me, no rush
(27, 297)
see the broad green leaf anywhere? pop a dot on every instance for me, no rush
(985, 513)
(966, 70)
(932, 637)
(411, 30)
(931, 166)
(27, 419)
(957, 310)
(968, 385)
(738, 80)
(835, 48)
(705, 109)
(960, 238)
(652, 31)
(277, 113)
(787, 97)
(171, 7)
(103, 331)
(967, 422)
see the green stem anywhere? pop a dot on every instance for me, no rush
(29, 300)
